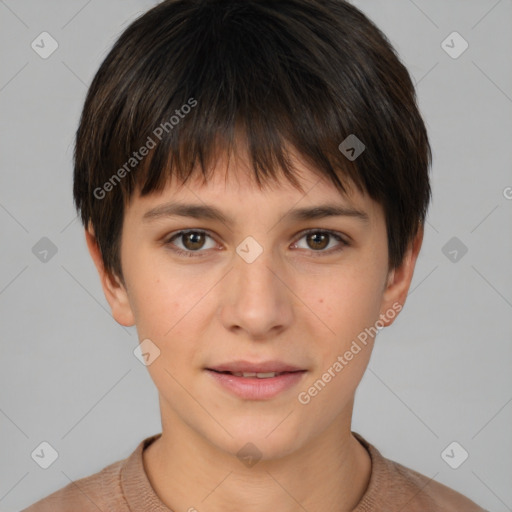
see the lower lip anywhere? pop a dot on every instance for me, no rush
(252, 388)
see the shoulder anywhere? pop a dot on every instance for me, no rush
(428, 494)
(89, 494)
(394, 487)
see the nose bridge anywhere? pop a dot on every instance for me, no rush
(256, 299)
(253, 268)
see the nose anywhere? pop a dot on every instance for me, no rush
(257, 298)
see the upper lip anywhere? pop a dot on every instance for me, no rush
(250, 367)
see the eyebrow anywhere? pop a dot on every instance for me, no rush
(198, 211)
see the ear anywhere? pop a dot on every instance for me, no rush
(399, 281)
(115, 292)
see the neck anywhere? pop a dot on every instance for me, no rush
(331, 472)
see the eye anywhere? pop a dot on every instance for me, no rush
(192, 241)
(318, 240)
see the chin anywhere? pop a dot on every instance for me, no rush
(264, 438)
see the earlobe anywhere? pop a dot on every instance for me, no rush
(115, 292)
(399, 281)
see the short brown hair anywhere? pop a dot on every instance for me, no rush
(307, 73)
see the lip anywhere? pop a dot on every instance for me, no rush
(254, 388)
(261, 367)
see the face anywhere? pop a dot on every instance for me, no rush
(269, 288)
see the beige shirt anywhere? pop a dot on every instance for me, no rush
(124, 487)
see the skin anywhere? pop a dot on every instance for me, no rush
(301, 304)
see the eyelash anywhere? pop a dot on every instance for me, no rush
(197, 254)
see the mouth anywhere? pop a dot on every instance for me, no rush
(258, 375)
(249, 367)
(261, 381)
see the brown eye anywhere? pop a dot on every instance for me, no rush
(193, 240)
(318, 240)
(190, 243)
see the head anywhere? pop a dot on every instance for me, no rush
(240, 108)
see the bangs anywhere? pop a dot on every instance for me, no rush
(237, 84)
(270, 142)
(242, 71)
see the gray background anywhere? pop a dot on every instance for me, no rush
(441, 373)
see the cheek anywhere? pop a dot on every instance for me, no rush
(349, 306)
(160, 294)
(349, 303)
(165, 303)
(167, 314)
